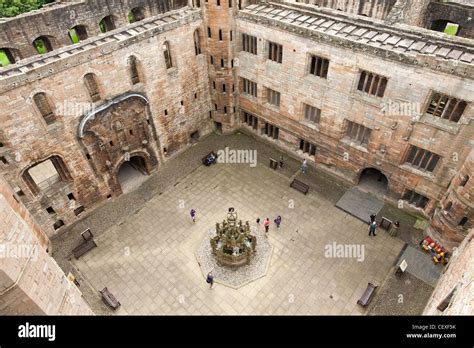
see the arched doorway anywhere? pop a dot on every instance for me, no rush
(373, 181)
(132, 173)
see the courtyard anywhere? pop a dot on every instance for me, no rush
(147, 242)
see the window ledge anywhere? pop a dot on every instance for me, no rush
(172, 71)
(369, 99)
(439, 123)
(427, 175)
(354, 145)
(272, 107)
(314, 126)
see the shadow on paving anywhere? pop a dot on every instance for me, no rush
(115, 211)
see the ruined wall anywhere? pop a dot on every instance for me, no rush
(455, 13)
(176, 105)
(348, 47)
(457, 276)
(55, 20)
(31, 282)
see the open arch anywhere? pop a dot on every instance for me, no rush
(107, 24)
(446, 26)
(373, 180)
(136, 14)
(132, 171)
(44, 174)
(8, 56)
(43, 44)
(78, 33)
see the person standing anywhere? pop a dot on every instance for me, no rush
(193, 215)
(278, 221)
(258, 223)
(210, 279)
(280, 163)
(304, 166)
(266, 223)
(372, 217)
(372, 228)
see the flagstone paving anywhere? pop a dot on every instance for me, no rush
(148, 260)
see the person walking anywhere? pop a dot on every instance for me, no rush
(193, 215)
(372, 227)
(210, 279)
(278, 221)
(266, 223)
(304, 166)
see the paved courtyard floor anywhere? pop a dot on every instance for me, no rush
(148, 260)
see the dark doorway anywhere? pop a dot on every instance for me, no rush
(373, 181)
(218, 126)
(132, 174)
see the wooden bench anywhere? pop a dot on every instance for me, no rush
(204, 159)
(367, 296)
(300, 186)
(83, 248)
(109, 299)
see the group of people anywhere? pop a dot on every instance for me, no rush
(266, 223)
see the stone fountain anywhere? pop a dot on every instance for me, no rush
(233, 245)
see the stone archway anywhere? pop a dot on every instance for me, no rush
(132, 173)
(373, 181)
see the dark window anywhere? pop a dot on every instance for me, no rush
(220, 34)
(107, 24)
(43, 44)
(91, 84)
(209, 34)
(319, 67)
(372, 84)
(415, 199)
(43, 105)
(58, 224)
(197, 42)
(167, 54)
(307, 147)
(249, 87)
(271, 131)
(358, 133)
(275, 52)
(446, 107)
(422, 159)
(273, 97)
(133, 66)
(464, 181)
(78, 33)
(136, 14)
(222, 63)
(463, 221)
(249, 43)
(312, 114)
(251, 120)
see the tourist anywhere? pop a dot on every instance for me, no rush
(278, 221)
(258, 224)
(304, 166)
(372, 217)
(193, 215)
(210, 279)
(372, 227)
(266, 223)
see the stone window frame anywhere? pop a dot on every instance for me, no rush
(432, 107)
(44, 108)
(92, 86)
(422, 156)
(168, 57)
(308, 108)
(249, 44)
(134, 69)
(271, 131)
(357, 133)
(415, 199)
(325, 69)
(272, 98)
(274, 52)
(307, 147)
(197, 42)
(369, 78)
(250, 119)
(249, 87)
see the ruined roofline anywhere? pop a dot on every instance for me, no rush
(339, 30)
(39, 66)
(370, 22)
(54, 6)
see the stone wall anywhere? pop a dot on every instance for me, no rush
(176, 104)
(31, 282)
(457, 276)
(339, 100)
(455, 13)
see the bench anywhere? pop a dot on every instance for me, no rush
(83, 248)
(204, 159)
(109, 299)
(367, 296)
(300, 186)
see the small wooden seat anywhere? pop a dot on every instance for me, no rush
(367, 296)
(300, 186)
(109, 299)
(83, 248)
